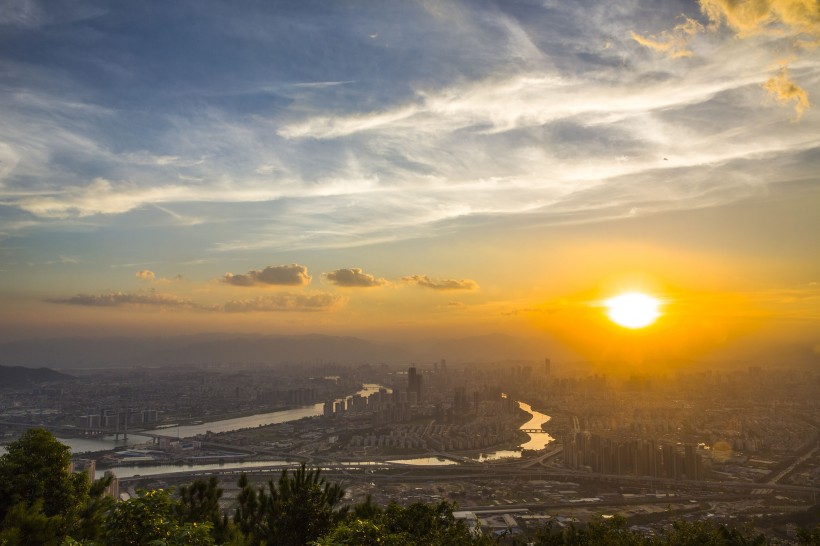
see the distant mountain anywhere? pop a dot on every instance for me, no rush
(275, 350)
(259, 349)
(19, 376)
(199, 349)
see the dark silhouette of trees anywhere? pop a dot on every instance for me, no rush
(414, 525)
(42, 503)
(199, 502)
(298, 508)
(152, 519)
(36, 484)
(615, 532)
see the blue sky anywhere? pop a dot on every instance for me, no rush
(438, 139)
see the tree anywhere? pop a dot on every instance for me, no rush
(151, 518)
(414, 525)
(199, 502)
(27, 524)
(35, 478)
(809, 536)
(297, 509)
(615, 532)
(93, 518)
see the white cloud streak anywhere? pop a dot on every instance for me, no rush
(526, 139)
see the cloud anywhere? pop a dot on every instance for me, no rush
(278, 302)
(797, 20)
(101, 196)
(146, 275)
(504, 116)
(287, 301)
(150, 276)
(440, 284)
(674, 43)
(315, 85)
(784, 90)
(122, 299)
(747, 17)
(280, 275)
(353, 278)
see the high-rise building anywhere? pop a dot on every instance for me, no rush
(414, 382)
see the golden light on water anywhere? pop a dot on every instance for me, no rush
(633, 310)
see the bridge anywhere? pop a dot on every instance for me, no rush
(80, 431)
(533, 430)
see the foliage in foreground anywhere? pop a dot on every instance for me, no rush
(42, 503)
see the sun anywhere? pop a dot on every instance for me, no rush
(633, 310)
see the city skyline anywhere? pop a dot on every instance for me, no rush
(412, 169)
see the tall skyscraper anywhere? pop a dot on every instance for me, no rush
(414, 382)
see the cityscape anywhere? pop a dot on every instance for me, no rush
(511, 444)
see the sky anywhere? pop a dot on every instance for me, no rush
(412, 168)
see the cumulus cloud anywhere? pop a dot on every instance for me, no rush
(286, 301)
(353, 278)
(121, 299)
(440, 284)
(146, 275)
(279, 275)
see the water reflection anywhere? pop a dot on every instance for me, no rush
(85, 445)
(425, 461)
(538, 440)
(129, 471)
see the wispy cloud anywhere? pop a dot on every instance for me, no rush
(551, 116)
(280, 302)
(287, 302)
(674, 43)
(322, 84)
(440, 284)
(124, 299)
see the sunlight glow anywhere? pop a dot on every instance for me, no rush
(633, 310)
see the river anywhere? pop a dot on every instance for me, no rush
(86, 445)
(537, 440)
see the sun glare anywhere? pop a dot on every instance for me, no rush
(633, 310)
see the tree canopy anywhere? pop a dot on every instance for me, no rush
(43, 503)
